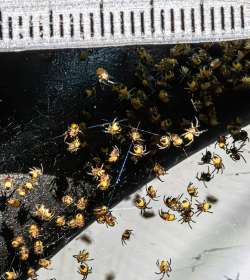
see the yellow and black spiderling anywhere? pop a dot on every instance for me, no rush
(126, 236)
(141, 204)
(152, 193)
(164, 268)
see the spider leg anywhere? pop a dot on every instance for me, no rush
(189, 143)
(111, 82)
(190, 225)
(163, 274)
(199, 212)
(197, 124)
(201, 131)
(185, 152)
(158, 177)
(243, 158)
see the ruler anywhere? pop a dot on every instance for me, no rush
(50, 24)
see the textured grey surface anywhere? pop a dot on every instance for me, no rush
(217, 246)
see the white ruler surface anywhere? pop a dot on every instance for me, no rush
(49, 24)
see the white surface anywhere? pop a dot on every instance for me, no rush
(77, 13)
(225, 234)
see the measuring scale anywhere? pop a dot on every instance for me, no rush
(43, 24)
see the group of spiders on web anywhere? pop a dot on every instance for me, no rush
(137, 150)
(184, 207)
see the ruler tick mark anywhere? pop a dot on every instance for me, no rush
(1, 27)
(152, 17)
(71, 19)
(20, 23)
(31, 27)
(172, 27)
(192, 20)
(111, 23)
(40, 27)
(222, 14)
(61, 25)
(81, 25)
(202, 17)
(132, 20)
(122, 22)
(142, 23)
(232, 17)
(212, 18)
(242, 17)
(182, 20)
(91, 18)
(162, 20)
(102, 19)
(10, 27)
(51, 27)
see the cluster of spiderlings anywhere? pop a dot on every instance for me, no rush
(74, 137)
(14, 191)
(184, 207)
(232, 145)
(146, 126)
(104, 167)
(26, 245)
(104, 216)
(30, 246)
(203, 72)
(83, 258)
